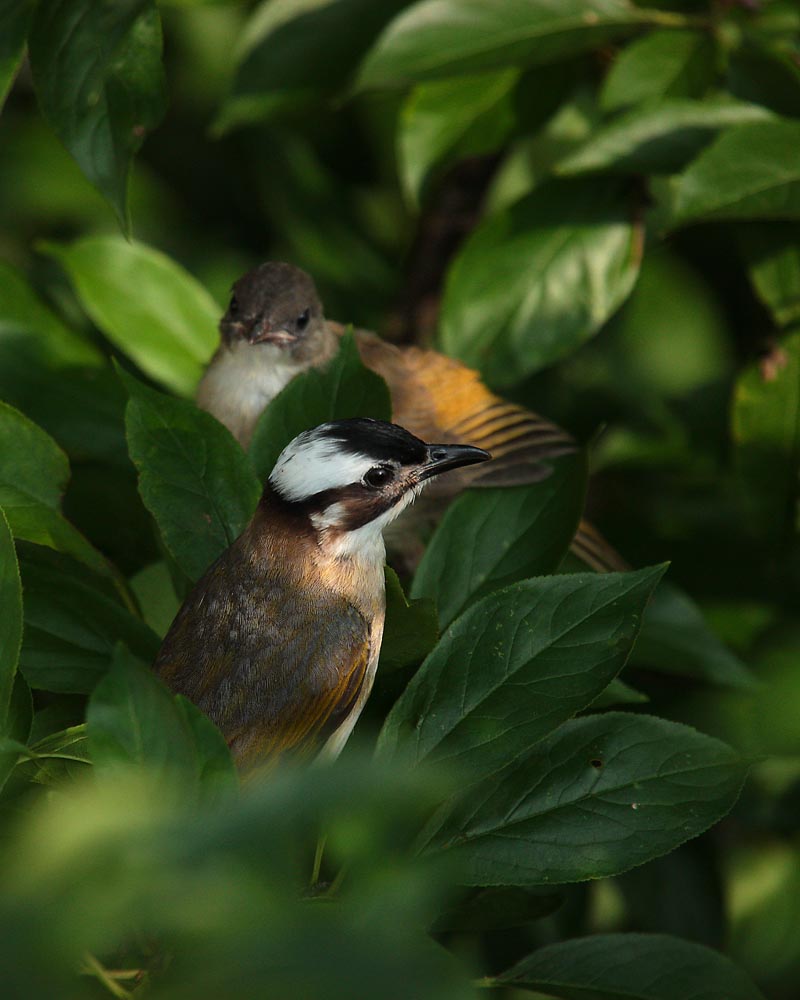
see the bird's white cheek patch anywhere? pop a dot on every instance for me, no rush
(310, 465)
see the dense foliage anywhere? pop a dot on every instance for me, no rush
(594, 202)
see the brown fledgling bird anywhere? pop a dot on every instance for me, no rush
(274, 328)
(278, 642)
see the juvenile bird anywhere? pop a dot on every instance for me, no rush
(274, 328)
(278, 642)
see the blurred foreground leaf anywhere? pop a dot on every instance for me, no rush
(516, 665)
(193, 477)
(515, 533)
(638, 966)
(537, 279)
(96, 67)
(346, 388)
(598, 796)
(146, 304)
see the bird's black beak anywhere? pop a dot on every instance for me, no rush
(442, 457)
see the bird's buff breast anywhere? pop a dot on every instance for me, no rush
(240, 382)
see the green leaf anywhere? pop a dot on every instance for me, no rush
(147, 305)
(537, 279)
(155, 594)
(345, 389)
(411, 627)
(498, 908)
(772, 253)
(451, 37)
(515, 533)
(515, 666)
(750, 172)
(767, 74)
(133, 718)
(620, 693)
(16, 727)
(660, 65)
(72, 626)
(658, 139)
(601, 795)
(10, 618)
(193, 477)
(96, 68)
(447, 120)
(635, 966)
(33, 476)
(675, 639)
(295, 52)
(15, 18)
(766, 435)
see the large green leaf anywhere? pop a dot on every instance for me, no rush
(96, 68)
(450, 119)
(515, 666)
(449, 37)
(515, 533)
(133, 719)
(72, 625)
(772, 252)
(660, 65)
(298, 51)
(193, 477)
(766, 433)
(635, 966)
(537, 279)
(15, 19)
(411, 627)
(10, 618)
(146, 304)
(767, 73)
(750, 172)
(658, 139)
(600, 795)
(675, 639)
(345, 389)
(33, 475)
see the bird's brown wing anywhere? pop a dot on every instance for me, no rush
(278, 668)
(440, 399)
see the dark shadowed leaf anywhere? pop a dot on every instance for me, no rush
(411, 628)
(772, 253)
(515, 666)
(345, 389)
(147, 305)
(637, 966)
(451, 119)
(660, 65)
(15, 18)
(540, 277)
(216, 770)
(620, 693)
(675, 639)
(498, 908)
(10, 616)
(72, 624)
(97, 71)
(767, 74)
(766, 434)
(193, 477)
(515, 533)
(450, 37)
(33, 475)
(17, 727)
(750, 172)
(600, 795)
(658, 139)
(296, 53)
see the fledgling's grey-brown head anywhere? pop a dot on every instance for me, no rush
(275, 303)
(351, 478)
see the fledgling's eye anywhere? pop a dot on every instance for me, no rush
(378, 476)
(233, 308)
(302, 319)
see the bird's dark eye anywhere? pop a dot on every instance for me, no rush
(379, 476)
(233, 308)
(302, 319)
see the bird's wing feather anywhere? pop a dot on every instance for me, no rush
(440, 399)
(278, 668)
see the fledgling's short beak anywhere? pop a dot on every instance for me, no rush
(442, 457)
(263, 332)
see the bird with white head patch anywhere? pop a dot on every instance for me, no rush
(278, 642)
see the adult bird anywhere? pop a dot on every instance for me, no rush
(278, 642)
(275, 327)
